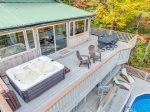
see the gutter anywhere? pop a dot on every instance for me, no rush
(41, 23)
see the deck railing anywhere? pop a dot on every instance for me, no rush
(124, 56)
(125, 53)
(72, 95)
(105, 99)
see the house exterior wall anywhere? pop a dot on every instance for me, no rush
(17, 60)
(76, 40)
(28, 55)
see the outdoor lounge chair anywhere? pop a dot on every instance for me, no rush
(125, 75)
(84, 59)
(122, 84)
(93, 54)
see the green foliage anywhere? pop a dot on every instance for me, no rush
(147, 58)
(115, 13)
(144, 30)
(138, 53)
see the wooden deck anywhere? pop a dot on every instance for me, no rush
(76, 72)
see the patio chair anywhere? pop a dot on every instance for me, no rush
(95, 55)
(84, 59)
(101, 46)
(122, 84)
(101, 35)
(128, 77)
(114, 45)
(109, 46)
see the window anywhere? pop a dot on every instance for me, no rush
(79, 27)
(11, 44)
(30, 39)
(87, 24)
(71, 28)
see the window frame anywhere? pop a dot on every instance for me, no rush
(75, 26)
(53, 25)
(55, 35)
(25, 39)
(34, 40)
(84, 26)
(88, 25)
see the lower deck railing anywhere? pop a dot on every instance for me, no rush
(105, 99)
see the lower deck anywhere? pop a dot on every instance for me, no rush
(77, 72)
(114, 103)
(120, 101)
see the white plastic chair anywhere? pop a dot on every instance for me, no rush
(122, 84)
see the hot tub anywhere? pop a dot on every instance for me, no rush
(35, 77)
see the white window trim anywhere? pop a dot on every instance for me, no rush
(73, 28)
(85, 25)
(34, 36)
(26, 40)
(88, 24)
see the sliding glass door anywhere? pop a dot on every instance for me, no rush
(46, 38)
(60, 36)
(52, 38)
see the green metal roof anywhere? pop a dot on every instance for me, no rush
(14, 15)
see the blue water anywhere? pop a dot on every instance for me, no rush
(141, 104)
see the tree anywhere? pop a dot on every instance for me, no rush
(116, 13)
